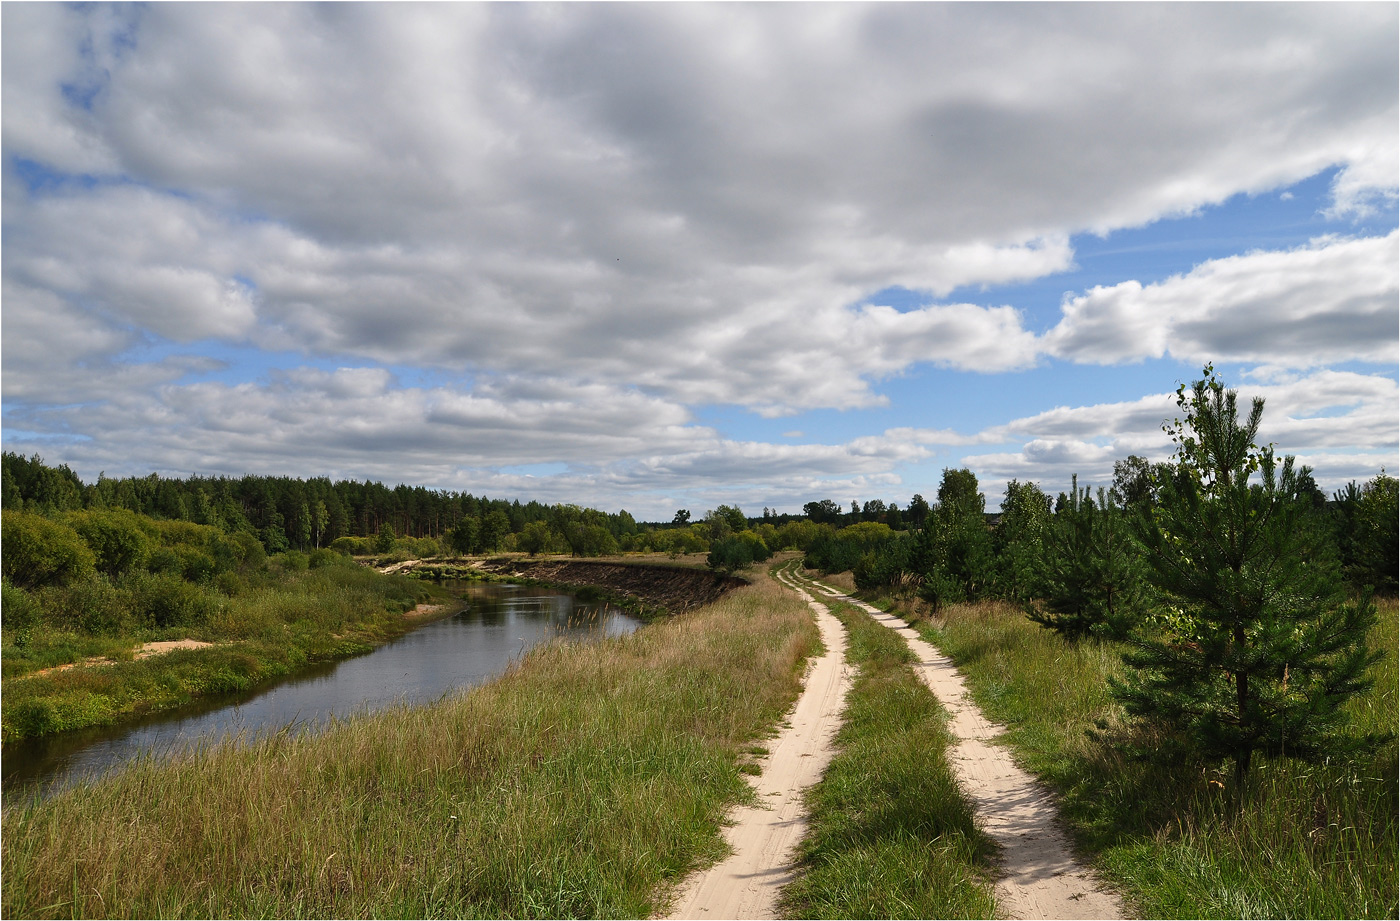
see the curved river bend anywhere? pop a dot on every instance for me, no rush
(498, 624)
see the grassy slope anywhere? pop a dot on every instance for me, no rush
(263, 634)
(891, 834)
(580, 784)
(1314, 841)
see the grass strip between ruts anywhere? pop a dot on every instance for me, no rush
(891, 835)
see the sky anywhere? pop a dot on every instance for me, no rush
(663, 256)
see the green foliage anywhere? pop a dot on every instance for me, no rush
(585, 530)
(384, 541)
(1365, 522)
(730, 554)
(1256, 650)
(463, 538)
(163, 600)
(494, 528)
(1091, 578)
(725, 520)
(1019, 540)
(29, 484)
(40, 552)
(824, 512)
(115, 537)
(535, 538)
(18, 608)
(954, 552)
(758, 549)
(91, 605)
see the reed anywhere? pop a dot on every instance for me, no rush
(582, 783)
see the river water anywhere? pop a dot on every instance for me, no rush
(497, 625)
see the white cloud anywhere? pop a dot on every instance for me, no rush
(1342, 423)
(605, 216)
(1333, 300)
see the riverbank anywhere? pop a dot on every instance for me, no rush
(249, 639)
(581, 784)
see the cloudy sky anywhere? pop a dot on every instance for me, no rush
(670, 256)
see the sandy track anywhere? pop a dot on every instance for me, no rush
(747, 884)
(1041, 878)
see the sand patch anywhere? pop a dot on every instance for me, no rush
(159, 647)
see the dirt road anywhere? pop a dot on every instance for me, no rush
(1040, 877)
(747, 884)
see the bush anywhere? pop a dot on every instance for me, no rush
(758, 550)
(327, 557)
(19, 609)
(115, 537)
(165, 560)
(729, 554)
(352, 546)
(42, 552)
(92, 605)
(290, 561)
(248, 550)
(165, 600)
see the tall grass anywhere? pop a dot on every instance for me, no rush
(891, 834)
(579, 784)
(1313, 840)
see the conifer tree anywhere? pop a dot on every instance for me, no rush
(1256, 649)
(1091, 571)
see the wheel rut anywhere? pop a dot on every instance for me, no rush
(1040, 877)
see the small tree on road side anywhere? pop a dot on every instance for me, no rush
(1255, 648)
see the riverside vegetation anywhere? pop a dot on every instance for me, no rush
(93, 586)
(580, 784)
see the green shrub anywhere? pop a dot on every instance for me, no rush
(165, 560)
(19, 609)
(353, 546)
(41, 552)
(115, 537)
(92, 605)
(166, 600)
(729, 554)
(327, 557)
(248, 550)
(230, 583)
(290, 561)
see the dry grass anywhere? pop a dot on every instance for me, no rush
(579, 784)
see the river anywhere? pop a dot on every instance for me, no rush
(497, 624)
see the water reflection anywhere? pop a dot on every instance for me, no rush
(498, 625)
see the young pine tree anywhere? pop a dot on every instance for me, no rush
(1257, 650)
(1091, 571)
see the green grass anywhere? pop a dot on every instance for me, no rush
(1312, 840)
(891, 835)
(583, 783)
(265, 630)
